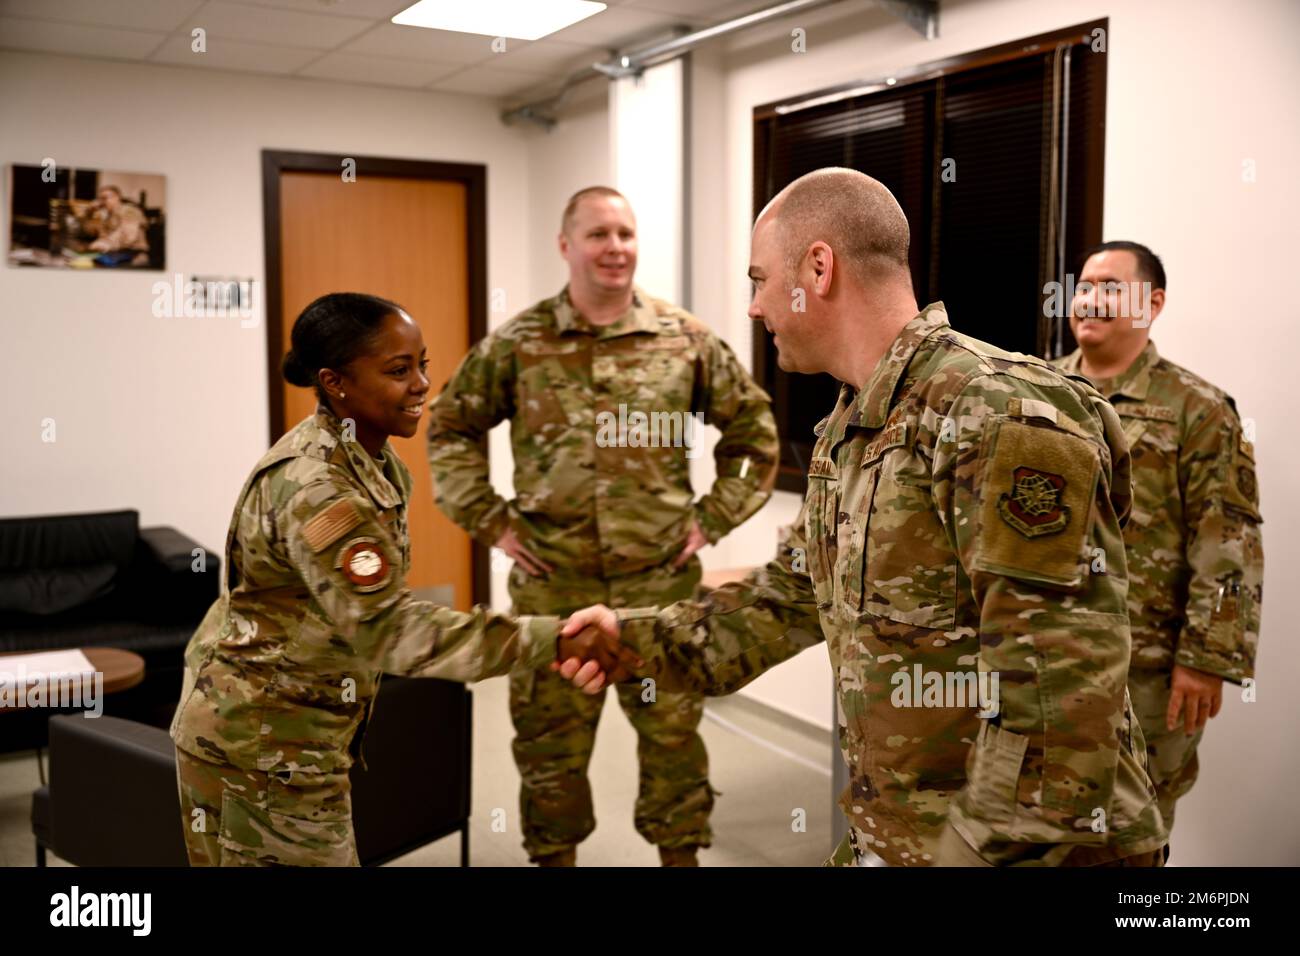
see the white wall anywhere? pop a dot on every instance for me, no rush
(1193, 89)
(645, 118)
(168, 415)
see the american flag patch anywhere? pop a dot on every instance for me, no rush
(330, 525)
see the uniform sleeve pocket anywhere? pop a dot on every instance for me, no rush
(1036, 490)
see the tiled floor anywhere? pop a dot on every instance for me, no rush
(753, 821)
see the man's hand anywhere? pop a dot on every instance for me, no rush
(509, 543)
(694, 541)
(589, 653)
(1198, 694)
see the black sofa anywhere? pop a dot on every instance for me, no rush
(98, 580)
(112, 800)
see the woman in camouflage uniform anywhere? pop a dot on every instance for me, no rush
(314, 606)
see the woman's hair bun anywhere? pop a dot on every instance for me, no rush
(294, 372)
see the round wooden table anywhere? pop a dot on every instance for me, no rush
(122, 670)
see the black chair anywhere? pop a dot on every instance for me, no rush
(112, 800)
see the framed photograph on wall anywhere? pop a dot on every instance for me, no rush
(66, 217)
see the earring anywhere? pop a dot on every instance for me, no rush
(343, 394)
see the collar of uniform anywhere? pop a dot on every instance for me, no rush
(1134, 382)
(640, 318)
(387, 493)
(878, 394)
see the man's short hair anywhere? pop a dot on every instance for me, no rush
(857, 216)
(1149, 266)
(111, 188)
(571, 207)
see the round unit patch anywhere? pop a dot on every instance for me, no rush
(364, 563)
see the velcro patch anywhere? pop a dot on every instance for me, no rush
(1160, 413)
(364, 562)
(820, 467)
(330, 524)
(1033, 408)
(1036, 488)
(662, 343)
(543, 347)
(892, 436)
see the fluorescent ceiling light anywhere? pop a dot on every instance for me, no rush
(518, 19)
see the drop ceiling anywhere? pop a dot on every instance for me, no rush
(348, 41)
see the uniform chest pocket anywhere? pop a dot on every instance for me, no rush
(819, 528)
(902, 567)
(648, 374)
(547, 389)
(1151, 432)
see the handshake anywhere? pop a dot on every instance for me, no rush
(589, 653)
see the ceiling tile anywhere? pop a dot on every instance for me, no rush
(242, 21)
(159, 15)
(543, 56)
(615, 27)
(692, 11)
(417, 43)
(76, 39)
(366, 9)
(490, 81)
(235, 55)
(385, 71)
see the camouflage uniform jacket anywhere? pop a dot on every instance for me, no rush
(1195, 554)
(587, 499)
(314, 607)
(962, 522)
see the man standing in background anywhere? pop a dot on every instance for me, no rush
(604, 387)
(1195, 555)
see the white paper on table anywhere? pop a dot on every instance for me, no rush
(47, 664)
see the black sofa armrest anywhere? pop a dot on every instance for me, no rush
(167, 585)
(174, 551)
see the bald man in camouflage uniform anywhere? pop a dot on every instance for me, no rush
(961, 527)
(1195, 552)
(601, 419)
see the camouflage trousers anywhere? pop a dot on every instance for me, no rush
(234, 817)
(1171, 754)
(555, 725)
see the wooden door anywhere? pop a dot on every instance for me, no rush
(405, 239)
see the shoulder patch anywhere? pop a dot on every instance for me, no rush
(364, 562)
(330, 524)
(1036, 488)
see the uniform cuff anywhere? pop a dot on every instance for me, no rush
(953, 850)
(713, 529)
(637, 631)
(537, 640)
(491, 530)
(1201, 659)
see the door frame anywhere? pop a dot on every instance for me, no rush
(473, 176)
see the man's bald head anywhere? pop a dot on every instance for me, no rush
(849, 211)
